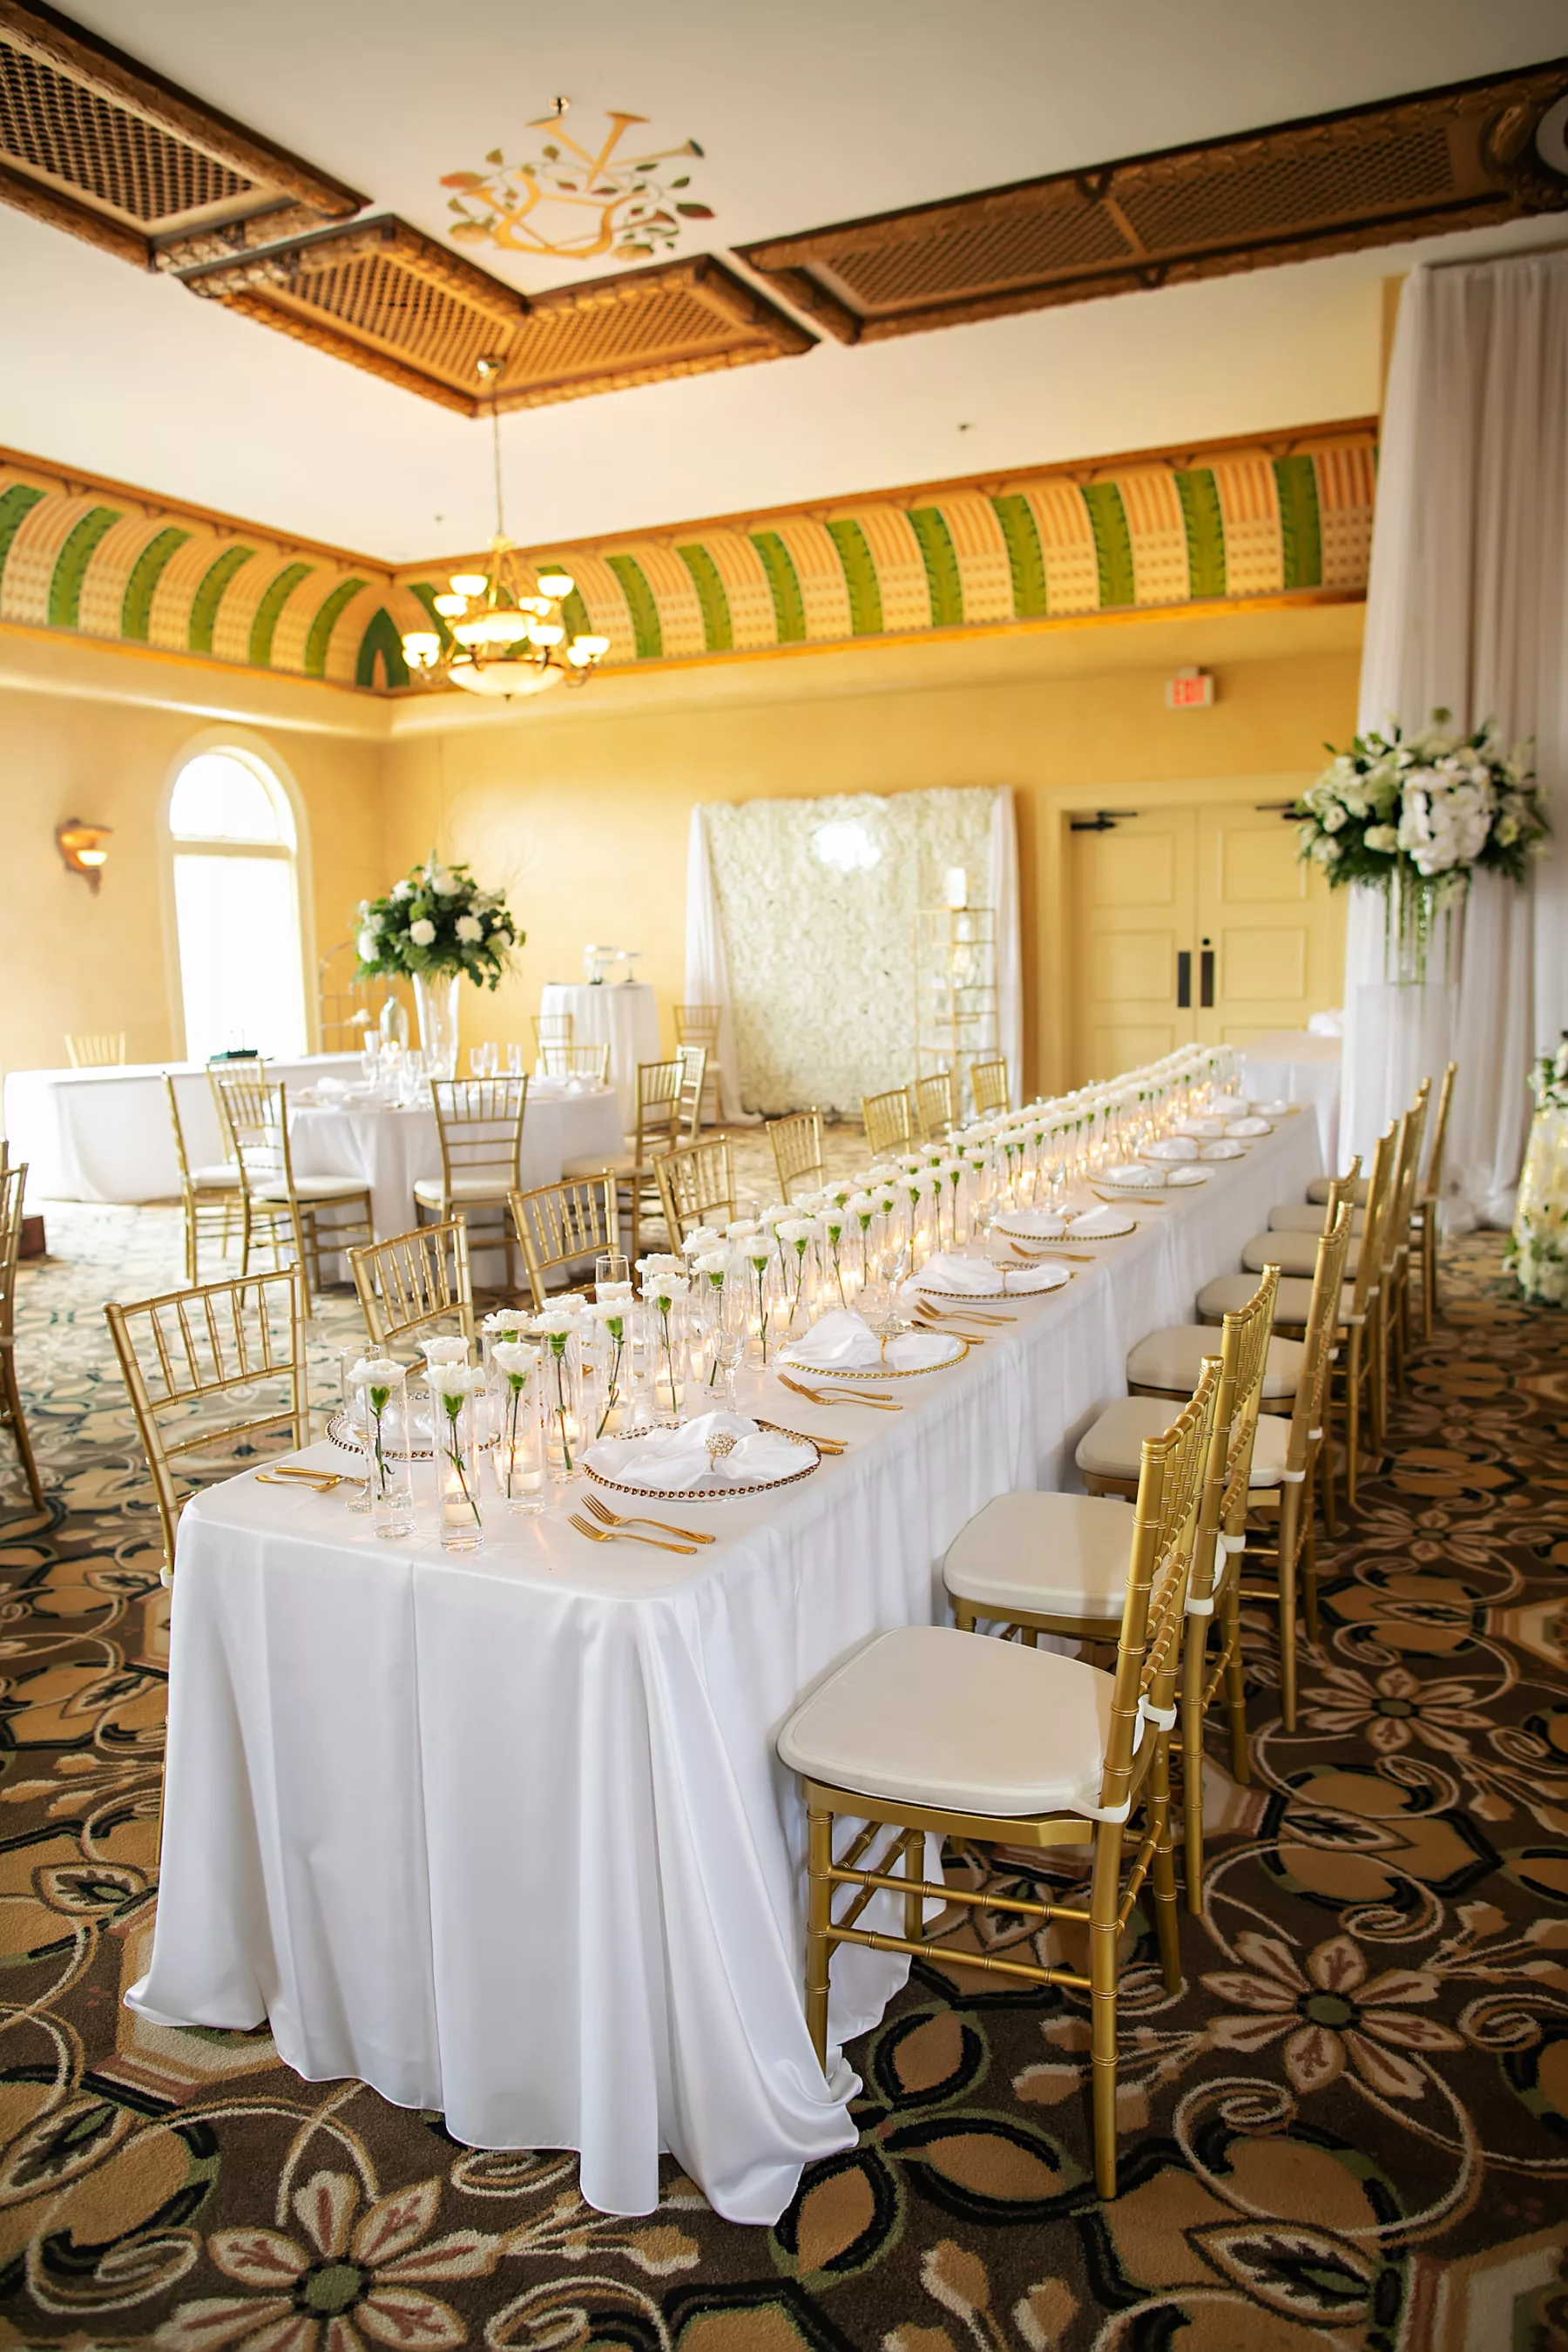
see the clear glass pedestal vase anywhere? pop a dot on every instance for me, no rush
(435, 998)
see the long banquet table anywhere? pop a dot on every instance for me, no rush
(504, 1834)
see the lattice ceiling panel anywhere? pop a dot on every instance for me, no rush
(683, 319)
(1456, 158)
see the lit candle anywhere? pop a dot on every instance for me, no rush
(957, 886)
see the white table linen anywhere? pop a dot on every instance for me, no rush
(104, 1135)
(620, 1014)
(389, 1150)
(1295, 1066)
(504, 1834)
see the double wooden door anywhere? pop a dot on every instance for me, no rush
(1194, 922)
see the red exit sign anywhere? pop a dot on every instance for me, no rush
(1190, 690)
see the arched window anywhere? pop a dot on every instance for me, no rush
(237, 906)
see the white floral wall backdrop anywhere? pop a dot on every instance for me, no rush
(817, 902)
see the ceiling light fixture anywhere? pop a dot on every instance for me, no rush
(503, 638)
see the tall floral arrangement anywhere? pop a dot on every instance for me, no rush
(436, 923)
(1416, 815)
(1536, 1254)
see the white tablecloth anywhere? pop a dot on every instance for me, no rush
(1294, 1066)
(389, 1149)
(620, 1014)
(104, 1135)
(505, 1834)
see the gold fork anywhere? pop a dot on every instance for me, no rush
(836, 1396)
(641, 1519)
(945, 1331)
(624, 1535)
(321, 1481)
(1070, 1257)
(962, 1314)
(823, 1445)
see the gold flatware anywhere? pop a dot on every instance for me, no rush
(943, 1331)
(321, 1481)
(962, 1314)
(641, 1519)
(1125, 1199)
(838, 1396)
(1057, 1258)
(823, 1445)
(626, 1535)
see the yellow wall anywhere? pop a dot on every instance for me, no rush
(582, 810)
(71, 961)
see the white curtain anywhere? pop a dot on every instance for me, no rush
(707, 968)
(1002, 892)
(1468, 610)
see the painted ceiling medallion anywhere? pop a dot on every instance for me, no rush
(577, 202)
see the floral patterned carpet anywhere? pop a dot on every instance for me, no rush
(1348, 2129)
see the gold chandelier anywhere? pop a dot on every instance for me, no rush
(503, 638)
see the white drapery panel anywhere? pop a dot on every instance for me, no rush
(1002, 890)
(1468, 610)
(707, 968)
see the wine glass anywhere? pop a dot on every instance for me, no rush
(514, 1061)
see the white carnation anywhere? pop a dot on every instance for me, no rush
(470, 928)
(423, 932)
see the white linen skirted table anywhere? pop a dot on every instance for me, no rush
(504, 1834)
(104, 1134)
(620, 1014)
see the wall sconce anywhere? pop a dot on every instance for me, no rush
(82, 846)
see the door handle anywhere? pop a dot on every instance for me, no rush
(1183, 979)
(1205, 977)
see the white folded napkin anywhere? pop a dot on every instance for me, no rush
(1248, 1126)
(1103, 1220)
(948, 1271)
(672, 1459)
(1269, 1109)
(1135, 1178)
(542, 1085)
(845, 1342)
(1035, 1224)
(1221, 1152)
(1200, 1127)
(1172, 1147)
(1187, 1176)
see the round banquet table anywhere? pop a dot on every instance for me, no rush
(622, 1015)
(388, 1148)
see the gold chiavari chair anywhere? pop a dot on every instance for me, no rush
(13, 1196)
(660, 1103)
(1290, 1501)
(285, 1208)
(695, 1184)
(693, 1060)
(988, 1086)
(1397, 1230)
(575, 1062)
(551, 1029)
(479, 1124)
(191, 1357)
(96, 1049)
(797, 1151)
(932, 1729)
(563, 1228)
(1429, 1197)
(933, 1105)
(416, 1282)
(206, 1194)
(888, 1121)
(697, 1024)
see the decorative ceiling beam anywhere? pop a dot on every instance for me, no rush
(1467, 156)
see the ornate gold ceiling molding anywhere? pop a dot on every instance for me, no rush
(1468, 156)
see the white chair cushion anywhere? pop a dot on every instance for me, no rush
(223, 1178)
(618, 1163)
(1293, 1301)
(1317, 1189)
(1269, 1449)
(928, 1715)
(1113, 1447)
(461, 1188)
(324, 1187)
(1291, 1253)
(1172, 1359)
(1306, 1217)
(1057, 1555)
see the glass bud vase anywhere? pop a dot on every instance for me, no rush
(436, 1000)
(456, 1471)
(381, 1409)
(667, 1321)
(517, 1416)
(561, 1369)
(609, 1370)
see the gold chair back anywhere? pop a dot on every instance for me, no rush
(988, 1086)
(574, 1061)
(479, 1123)
(190, 1358)
(551, 1029)
(13, 1199)
(95, 1049)
(1322, 1319)
(1369, 1264)
(201, 1204)
(1430, 1186)
(256, 1115)
(1171, 1479)
(888, 1121)
(693, 1183)
(933, 1105)
(1402, 1193)
(660, 1103)
(693, 1060)
(415, 1282)
(797, 1151)
(697, 1024)
(565, 1225)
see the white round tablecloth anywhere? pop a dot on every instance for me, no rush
(622, 1015)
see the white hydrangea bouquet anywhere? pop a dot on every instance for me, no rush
(1538, 1253)
(1416, 815)
(435, 924)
